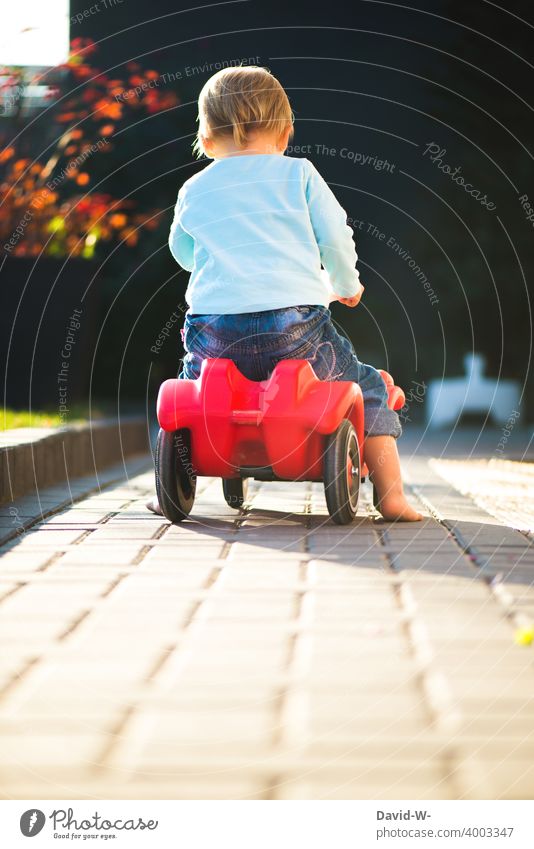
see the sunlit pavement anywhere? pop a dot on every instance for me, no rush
(271, 654)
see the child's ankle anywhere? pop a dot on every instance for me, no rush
(396, 507)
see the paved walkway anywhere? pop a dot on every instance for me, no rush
(270, 654)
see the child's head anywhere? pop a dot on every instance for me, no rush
(237, 105)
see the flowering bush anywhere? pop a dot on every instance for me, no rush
(46, 202)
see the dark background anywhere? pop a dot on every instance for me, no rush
(379, 80)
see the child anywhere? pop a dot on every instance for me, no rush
(253, 228)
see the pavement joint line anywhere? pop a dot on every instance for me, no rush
(238, 522)
(437, 699)
(291, 702)
(105, 519)
(160, 532)
(87, 532)
(225, 550)
(145, 549)
(293, 706)
(271, 785)
(504, 599)
(51, 560)
(8, 593)
(141, 554)
(417, 640)
(159, 662)
(23, 670)
(164, 674)
(30, 521)
(109, 589)
(73, 625)
(58, 554)
(114, 732)
(309, 495)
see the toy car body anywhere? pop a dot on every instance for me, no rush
(291, 427)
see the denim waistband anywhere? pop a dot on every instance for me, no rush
(265, 330)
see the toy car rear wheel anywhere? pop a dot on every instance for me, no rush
(235, 491)
(342, 473)
(175, 479)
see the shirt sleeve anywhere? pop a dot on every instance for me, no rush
(181, 243)
(333, 234)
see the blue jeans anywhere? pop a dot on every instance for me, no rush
(257, 341)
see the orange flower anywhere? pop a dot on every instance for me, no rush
(118, 220)
(168, 100)
(107, 108)
(76, 134)
(72, 148)
(20, 164)
(47, 196)
(130, 236)
(82, 179)
(107, 130)
(7, 153)
(81, 72)
(89, 95)
(151, 75)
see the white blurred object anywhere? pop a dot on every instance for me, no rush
(448, 398)
(34, 33)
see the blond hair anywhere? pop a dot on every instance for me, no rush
(238, 101)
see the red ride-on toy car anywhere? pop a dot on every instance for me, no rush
(290, 427)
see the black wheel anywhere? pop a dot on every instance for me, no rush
(235, 491)
(175, 480)
(342, 473)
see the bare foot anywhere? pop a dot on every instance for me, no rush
(153, 506)
(396, 509)
(382, 458)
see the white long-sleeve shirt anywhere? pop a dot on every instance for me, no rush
(254, 229)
